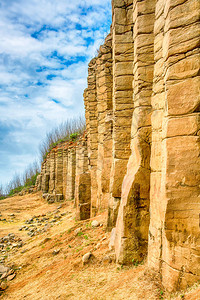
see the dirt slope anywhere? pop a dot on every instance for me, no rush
(49, 264)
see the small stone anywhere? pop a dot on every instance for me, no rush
(4, 276)
(106, 259)
(86, 257)
(55, 252)
(10, 272)
(3, 269)
(11, 277)
(20, 244)
(11, 215)
(3, 285)
(95, 223)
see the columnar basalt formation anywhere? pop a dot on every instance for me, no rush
(140, 154)
(122, 27)
(58, 171)
(71, 173)
(133, 219)
(52, 171)
(174, 238)
(83, 181)
(104, 108)
(92, 128)
(65, 170)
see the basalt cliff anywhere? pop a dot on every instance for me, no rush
(140, 155)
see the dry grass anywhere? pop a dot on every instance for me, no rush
(63, 276)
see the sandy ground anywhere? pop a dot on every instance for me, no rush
(40, 274)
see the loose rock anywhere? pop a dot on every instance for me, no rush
(106, 259)
(95, 223)
(3, 285)
(11, 277)
(86, 257)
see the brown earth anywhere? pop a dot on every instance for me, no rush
(40, 274)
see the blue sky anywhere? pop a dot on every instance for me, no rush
(45, 46)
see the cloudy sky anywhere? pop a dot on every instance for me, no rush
(45, 46)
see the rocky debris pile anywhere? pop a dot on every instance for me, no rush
(51, 198)
(9, 243)
(29, 190)
(10, 218)
(6, 274)
(41, 223)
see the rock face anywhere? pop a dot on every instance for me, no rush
(140, 155)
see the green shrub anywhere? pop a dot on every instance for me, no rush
(67, 131)
(73, 136)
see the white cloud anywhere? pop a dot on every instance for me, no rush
(45, 46)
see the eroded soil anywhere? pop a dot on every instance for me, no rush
(49, 264)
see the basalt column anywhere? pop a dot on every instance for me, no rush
(104, 81)
(122, 44)
(71, 173)
(83, 181)
(65, 165)
(174, 228)
(45, 177)
(59, 174)
(38, 182)
(52, 171)
(158, 104)
(133, 218)
(91, 115)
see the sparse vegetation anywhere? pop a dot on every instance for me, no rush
(66, 131)
(19, 182)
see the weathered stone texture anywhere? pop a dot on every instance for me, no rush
(175, 162)
(90, 101)
(123, 49)
(104, 107)
(82, 181)
(38, 182)
(140, 154)
(71, 173)
(59, 171)
(52, 171)
(133, 218)
(65, 170)
(45, 177)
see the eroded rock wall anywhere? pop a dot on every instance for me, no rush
(174, 237)
(133, 218)
(140, 155)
